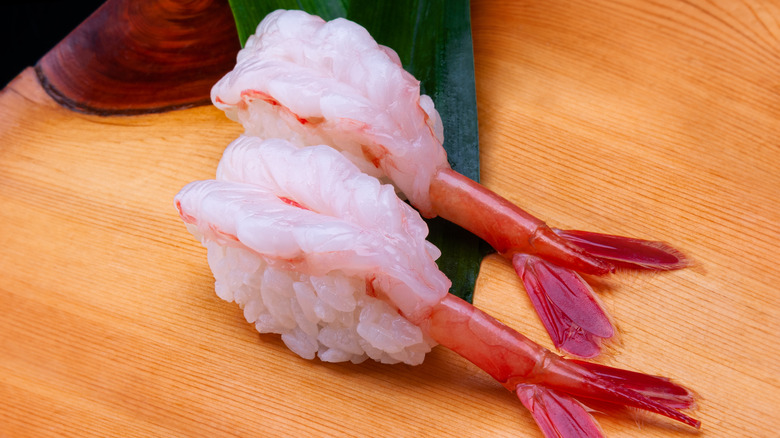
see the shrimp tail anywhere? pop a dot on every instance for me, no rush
(549, 261)
(549, 385)
(656, 388)
(622, 387)
(557, 414)
(566, 305)
(627, 252)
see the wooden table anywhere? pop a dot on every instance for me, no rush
(654, 119)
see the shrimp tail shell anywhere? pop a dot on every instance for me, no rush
(560, 415)
(655, 388)
(544, 381)
(557, 414)
(567, 306)
(622, 387)
(627, 252)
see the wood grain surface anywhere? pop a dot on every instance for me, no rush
(654, 119)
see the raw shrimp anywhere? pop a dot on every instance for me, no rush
(279, 222)
(285, 248)
(315, 82)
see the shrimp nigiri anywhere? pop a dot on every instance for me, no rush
(316, 250)
(315, 82)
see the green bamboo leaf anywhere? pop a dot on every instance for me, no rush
(433, 40)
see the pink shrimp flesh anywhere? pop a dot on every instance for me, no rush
(287, 229)
(315, 82)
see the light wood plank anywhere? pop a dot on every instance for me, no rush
(653, 119)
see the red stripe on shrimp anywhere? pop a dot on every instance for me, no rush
(292, 202)
(248, 96)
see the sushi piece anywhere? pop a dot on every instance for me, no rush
(335, 262)
(286, 234)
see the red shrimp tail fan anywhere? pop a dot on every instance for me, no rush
(627, 252)
(566, 305)
(557, 414)
(622, 387)
(656, 388)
